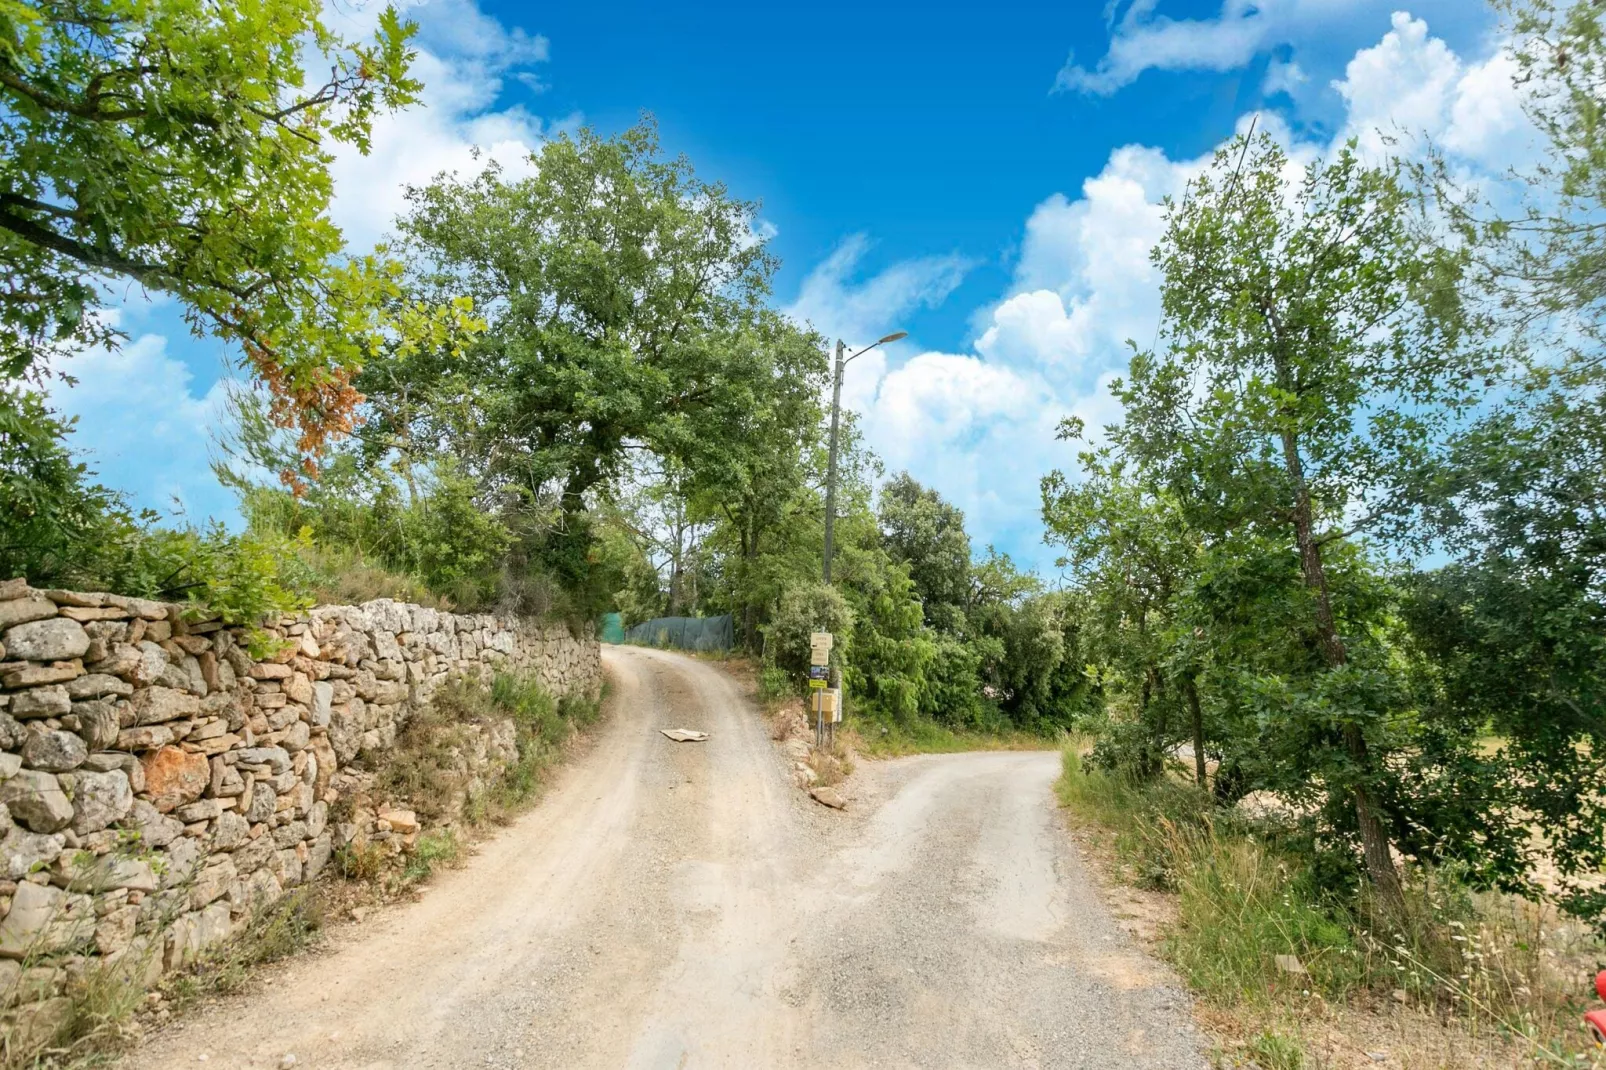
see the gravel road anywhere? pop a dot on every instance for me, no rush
(683, 905)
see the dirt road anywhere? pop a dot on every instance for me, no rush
(682, 905)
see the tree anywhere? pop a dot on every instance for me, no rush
(175, 145)
(618, 288)
(1514, 628)
(761, 472)
(1133, 556)
(1312, 351)
(927, 534)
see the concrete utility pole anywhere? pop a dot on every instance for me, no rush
(836, 410)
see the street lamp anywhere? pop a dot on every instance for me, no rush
(836, 409)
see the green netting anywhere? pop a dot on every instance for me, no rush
(613, 629)
(685, 633)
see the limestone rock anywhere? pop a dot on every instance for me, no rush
(97, 685)
(12, 734)
(86, 615)
(148, 738)
(44, 919)
(184, 858)
(212, 883)
(191, 934)
(99, 799)
(22, 610)
(231, 831)
(200, 810)
(80, 599)
(275, 757)
(174, 777)
(402, 821)
(36, 800)
(80, 871)
(21, 852)
(155, 828)
(49, 701)
(154, 705)
(36, 1024)
(261, 803)
(114, 931)
(97, 722)
(56, 639)
(828, 797)
(54, 672)
(54, 752)
(149, 664)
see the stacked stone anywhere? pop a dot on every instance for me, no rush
(158, 784)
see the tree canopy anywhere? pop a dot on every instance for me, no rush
(177, 146)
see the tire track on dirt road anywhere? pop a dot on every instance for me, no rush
(682, 905)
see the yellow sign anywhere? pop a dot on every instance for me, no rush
(817, 683)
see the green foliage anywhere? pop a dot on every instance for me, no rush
(927, 536)
(428, 766)
(56, 524)
(1512, 634)
(426, 532)
(178, 146)
(1320, 379)
(434, 849)
(66, 531)
(802, 611)
(1314, 351)
(625, 320)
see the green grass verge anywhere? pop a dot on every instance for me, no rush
(1242, 901)
(876, 740)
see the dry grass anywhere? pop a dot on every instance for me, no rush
(97, 1016)
(1476, 980)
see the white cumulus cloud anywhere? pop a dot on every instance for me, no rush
(144, 427)
(980, 426)
(1141, 40)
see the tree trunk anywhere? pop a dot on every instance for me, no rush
(1374, 834)
(1192, 691)
(749, 607)
(674, 573)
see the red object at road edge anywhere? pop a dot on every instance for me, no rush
(1595, 1021)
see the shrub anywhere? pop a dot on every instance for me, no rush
(804, 610)
(775, 684)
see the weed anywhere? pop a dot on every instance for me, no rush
(438, 847)
(284, 928)
(877, 739)
(360, 861)
(1275, 1051)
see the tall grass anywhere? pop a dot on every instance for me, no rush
(1496, 963)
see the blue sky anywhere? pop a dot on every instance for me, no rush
(985, 177)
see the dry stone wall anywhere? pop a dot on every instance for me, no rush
(158, 784)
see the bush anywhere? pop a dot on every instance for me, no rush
(953, 686)
(1243, 899)
(61, 530)
(775, 684)
(804, 610)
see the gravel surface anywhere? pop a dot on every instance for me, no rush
(683, 905)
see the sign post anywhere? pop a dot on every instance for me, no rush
(820, 644)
